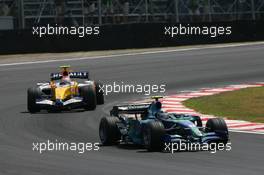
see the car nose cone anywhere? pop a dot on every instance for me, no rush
(58, 102)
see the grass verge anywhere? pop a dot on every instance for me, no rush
(245, 104)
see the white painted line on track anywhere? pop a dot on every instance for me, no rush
(247, 132)
(133, 54)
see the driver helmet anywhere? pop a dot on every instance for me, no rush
(158, 105)
(65, 74)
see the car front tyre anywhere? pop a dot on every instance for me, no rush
(218, 125)
(32, 95)
(152, 136)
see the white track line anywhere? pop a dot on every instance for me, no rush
(248, 132)
(133, 54)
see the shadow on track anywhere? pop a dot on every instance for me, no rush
(55, 112)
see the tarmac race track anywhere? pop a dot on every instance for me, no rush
(184, 70)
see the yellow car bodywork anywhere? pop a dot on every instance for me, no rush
(64, 92)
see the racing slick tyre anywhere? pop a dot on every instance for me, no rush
(108, 131)
(89, 97)
(152, 136)
(32, 95)
(99, 93)
(218, 125)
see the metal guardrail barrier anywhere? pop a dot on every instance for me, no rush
(102, 12)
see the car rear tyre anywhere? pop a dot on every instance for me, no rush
(32, 95)
(99, 93)
(108, 131)
(152, 136)
(89, 97)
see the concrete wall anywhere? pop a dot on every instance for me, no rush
(6, 23)
(124, 36)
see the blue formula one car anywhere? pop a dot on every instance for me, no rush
(148, 125)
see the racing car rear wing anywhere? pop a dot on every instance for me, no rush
(129, 109)
(79, 75)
